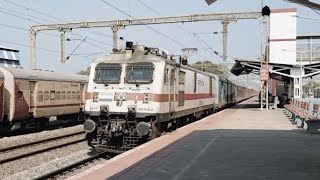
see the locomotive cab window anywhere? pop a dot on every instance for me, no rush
(107, 73)
(139, 73)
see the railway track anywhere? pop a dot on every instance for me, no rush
(11, 149)
(71, 167)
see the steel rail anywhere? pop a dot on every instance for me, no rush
(39, 151)
(73, 165)
(3, 150)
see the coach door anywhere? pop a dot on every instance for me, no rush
(82, 93)
(32, 85)
(172, 91)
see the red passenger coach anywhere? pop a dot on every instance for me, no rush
(31, 97)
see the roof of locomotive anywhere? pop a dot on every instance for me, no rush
(139, 55)
(46, 75)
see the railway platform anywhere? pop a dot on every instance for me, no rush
(237, 143)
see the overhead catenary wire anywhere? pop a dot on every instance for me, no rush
(68, 57)
(24, 29)
(56, 18)
(46, 49)
(46, 20)
(171, 39)
(183, 29)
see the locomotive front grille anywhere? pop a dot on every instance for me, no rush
(127, 144)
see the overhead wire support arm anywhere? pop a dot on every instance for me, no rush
(156, 20)
(133, 22)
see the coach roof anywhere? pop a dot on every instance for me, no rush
(45, 75)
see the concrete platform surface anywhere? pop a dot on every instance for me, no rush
(237, 143)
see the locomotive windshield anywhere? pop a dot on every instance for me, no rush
(139, 73)
(108, 73)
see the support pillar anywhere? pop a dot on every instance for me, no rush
(63, 59)
(225, 38)
(114, 38)
(32, 35)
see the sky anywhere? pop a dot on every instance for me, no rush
(243, 37)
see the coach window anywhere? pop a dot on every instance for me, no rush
(63, 95)
(52, 95)
(68, 95)
(19, 95)
(107, 73)
(58, 95)
(40, 96)
(46, 95)
(195, 83)
(73, 95)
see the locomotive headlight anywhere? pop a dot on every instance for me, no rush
(95, 97)
(146, 97)
(120, 96)
(89, 125)
(143, 128)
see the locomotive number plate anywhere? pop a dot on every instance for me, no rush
(144, 109)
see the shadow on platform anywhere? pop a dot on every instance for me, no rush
(233, 154)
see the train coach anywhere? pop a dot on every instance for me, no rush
(30, 97)
(138, 92)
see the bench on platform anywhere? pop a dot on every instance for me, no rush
(304, 113)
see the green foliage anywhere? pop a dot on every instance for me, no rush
(208, 66)
(85, 72)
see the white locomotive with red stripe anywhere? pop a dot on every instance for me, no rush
(138, 92)
(31, 97)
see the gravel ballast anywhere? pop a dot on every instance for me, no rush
(36, 165)
(23, 139)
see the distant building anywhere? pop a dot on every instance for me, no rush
(9, 57)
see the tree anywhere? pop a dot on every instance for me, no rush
(85, 72)
(208, 66)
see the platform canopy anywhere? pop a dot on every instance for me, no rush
(9, 57)
(307, 3)
(281, 72)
